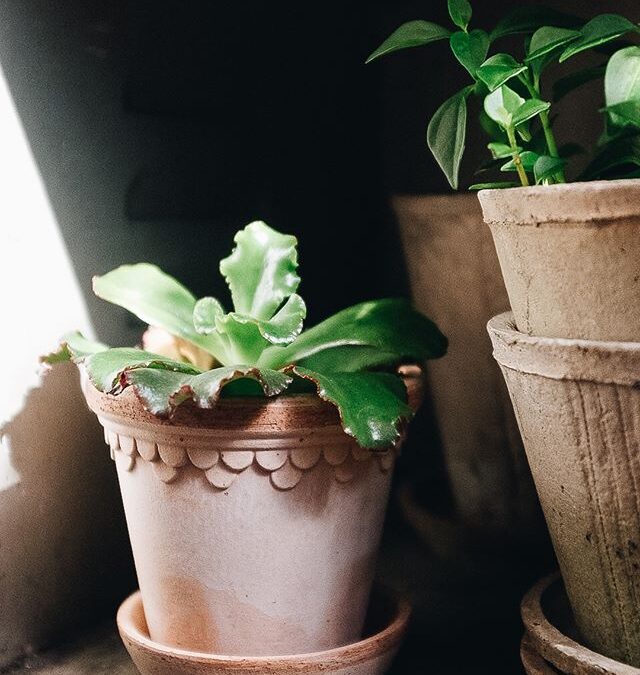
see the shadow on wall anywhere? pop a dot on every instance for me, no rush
(62, 534)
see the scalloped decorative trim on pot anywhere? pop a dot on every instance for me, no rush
(285, 466)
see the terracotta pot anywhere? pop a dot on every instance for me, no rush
(577, 404)
(570, 257)
(386, 625)
(455, 279)
(550, 643)
(254, 525)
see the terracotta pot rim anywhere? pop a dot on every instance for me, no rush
(563, 203)
(352, 654)
(554, 645)
(563, 358)
(533, 663)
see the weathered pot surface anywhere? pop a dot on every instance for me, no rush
(570, 257)
(577, 402)
(254, 525)
(551, 639)
(372, 655)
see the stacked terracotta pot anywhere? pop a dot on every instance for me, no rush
(570, 355)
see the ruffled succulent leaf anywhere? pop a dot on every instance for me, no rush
(261, 271)
(161, 391)
(157, 299)
(373, 407)
(73, 347)
(205, 313)
(410, 34)
(349, 359)
(390, 325)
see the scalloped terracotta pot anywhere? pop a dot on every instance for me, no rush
(577, 403)
(254, 526)
(570, 257)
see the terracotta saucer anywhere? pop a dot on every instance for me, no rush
(551, 639)
(387, 622)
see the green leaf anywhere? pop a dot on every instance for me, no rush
(528, 160)
(546, 167)
(528, 110)
(261, 270)
(373, 406)
(349, 359)
(73, 347)
(501, 105)
(389, 325)
(411, 34)
(622, 86)
(160, 391)
(470, 49)
(565, 85)
(491, 128)
(494, 186)
(446, 135)
(157, 299)
(548, 38)
(614, 159)
(205, 313)
(528, 19)
(599, 30)
(460, 12)
(502, 150)
(105, 368)
(498, 69)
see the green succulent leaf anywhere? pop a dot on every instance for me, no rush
(499, 69)
(565, 85)
(502, 104)
(205, 313)
(598, 31)
(105, 368)
(547, 167)
(622, 86)
(73, 347)
(446, 135)
(373, 406)
(529, 18)
(548, 38)
(411, 34)
(499, 185)
(261, 270)
(389, 325)
(528, 110)
(460, 12)
(157, 299)
(528, 160)
(349, 359)
(161, 391)
(470, 49)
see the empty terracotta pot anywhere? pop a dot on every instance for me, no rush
(254, 526)
(386, 624)
(577, 403)
(570, 257)
(551, 644)
(455, 279)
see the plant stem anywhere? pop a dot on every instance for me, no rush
(513, 143)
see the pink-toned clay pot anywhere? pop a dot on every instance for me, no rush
(570, 257)
(372, 655)
(550, 643)
(254, 526)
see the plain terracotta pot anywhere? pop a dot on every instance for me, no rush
(386, 624)
(578, 407)
(455, 279)
(570, 257)
(550, 643)
(254, 526)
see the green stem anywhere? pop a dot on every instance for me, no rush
(513, 143)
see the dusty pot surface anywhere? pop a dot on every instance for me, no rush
(455, 279)
(570, 257)
(549, 644)
(577, 403)
(386, 625)
(254, 525)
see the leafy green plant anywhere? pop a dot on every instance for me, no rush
(514, 112)
(258, 348)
